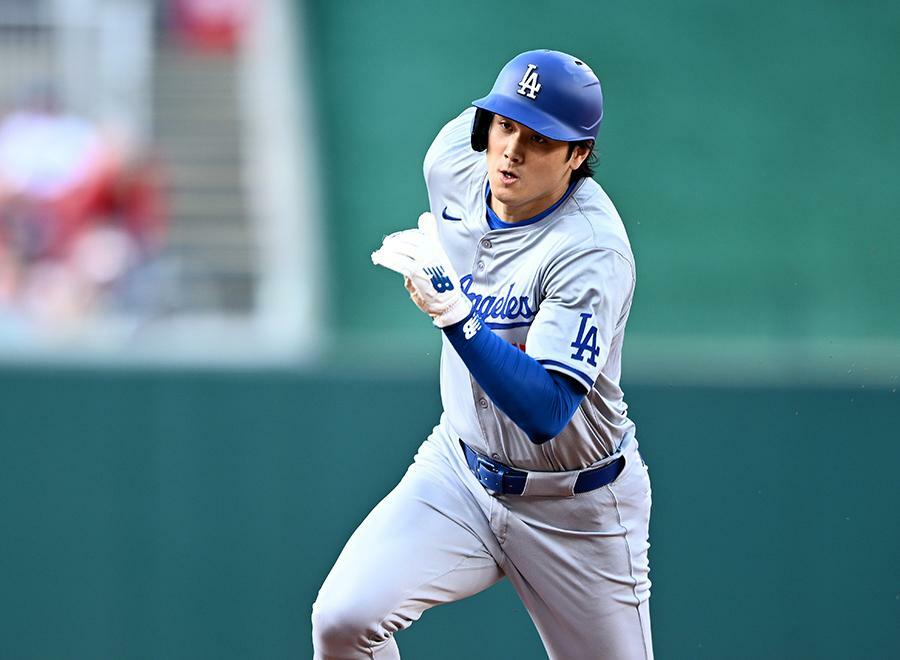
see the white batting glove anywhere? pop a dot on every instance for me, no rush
(428, 274)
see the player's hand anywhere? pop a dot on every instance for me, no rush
(427, 272)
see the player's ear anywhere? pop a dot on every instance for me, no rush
(578, 153)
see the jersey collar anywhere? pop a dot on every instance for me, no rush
(494, 221)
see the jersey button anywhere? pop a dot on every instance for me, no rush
(480, 265)
(495, 456)
(482, 402)
(486, 243)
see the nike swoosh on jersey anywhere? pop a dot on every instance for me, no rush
(445, 216)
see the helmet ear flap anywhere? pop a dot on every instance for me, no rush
(481, 124)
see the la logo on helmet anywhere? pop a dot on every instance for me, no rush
(529, 85)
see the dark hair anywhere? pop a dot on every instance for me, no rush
(586, 169)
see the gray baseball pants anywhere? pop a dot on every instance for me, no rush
(578, 563)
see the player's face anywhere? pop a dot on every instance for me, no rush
(528, 172)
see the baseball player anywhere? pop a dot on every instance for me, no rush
(533, 472)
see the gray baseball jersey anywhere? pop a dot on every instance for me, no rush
(559, 288)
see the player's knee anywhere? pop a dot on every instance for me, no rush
(330, 628)
(340, 627)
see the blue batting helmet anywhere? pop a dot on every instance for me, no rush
(552, 93)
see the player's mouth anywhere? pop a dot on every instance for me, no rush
(508, 177)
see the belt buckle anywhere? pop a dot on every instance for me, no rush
(490, 475)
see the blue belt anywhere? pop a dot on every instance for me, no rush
(501, 479)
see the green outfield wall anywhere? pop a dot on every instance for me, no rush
(194, 515)
(752, 150)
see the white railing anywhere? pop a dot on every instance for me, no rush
(282, 180)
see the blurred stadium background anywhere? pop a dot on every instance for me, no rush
(206, 385)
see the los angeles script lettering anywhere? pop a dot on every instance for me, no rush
(506, 307)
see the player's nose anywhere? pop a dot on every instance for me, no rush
(513, 150)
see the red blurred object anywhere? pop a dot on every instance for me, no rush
(213, 25)
(135, 196)
(60, 175)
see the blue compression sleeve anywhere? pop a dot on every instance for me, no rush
(540, 402)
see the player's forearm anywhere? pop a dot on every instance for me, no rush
(541, 403)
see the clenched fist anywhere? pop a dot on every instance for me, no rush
(428, 274)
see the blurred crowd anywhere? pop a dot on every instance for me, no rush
(83, 212)
(82, 217)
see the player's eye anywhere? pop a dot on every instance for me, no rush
(540, 139)
(505, 124)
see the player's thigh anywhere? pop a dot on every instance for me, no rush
(580, 566)
(423, 544)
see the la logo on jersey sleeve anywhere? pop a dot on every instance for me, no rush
(529, 85)
(586, 342)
